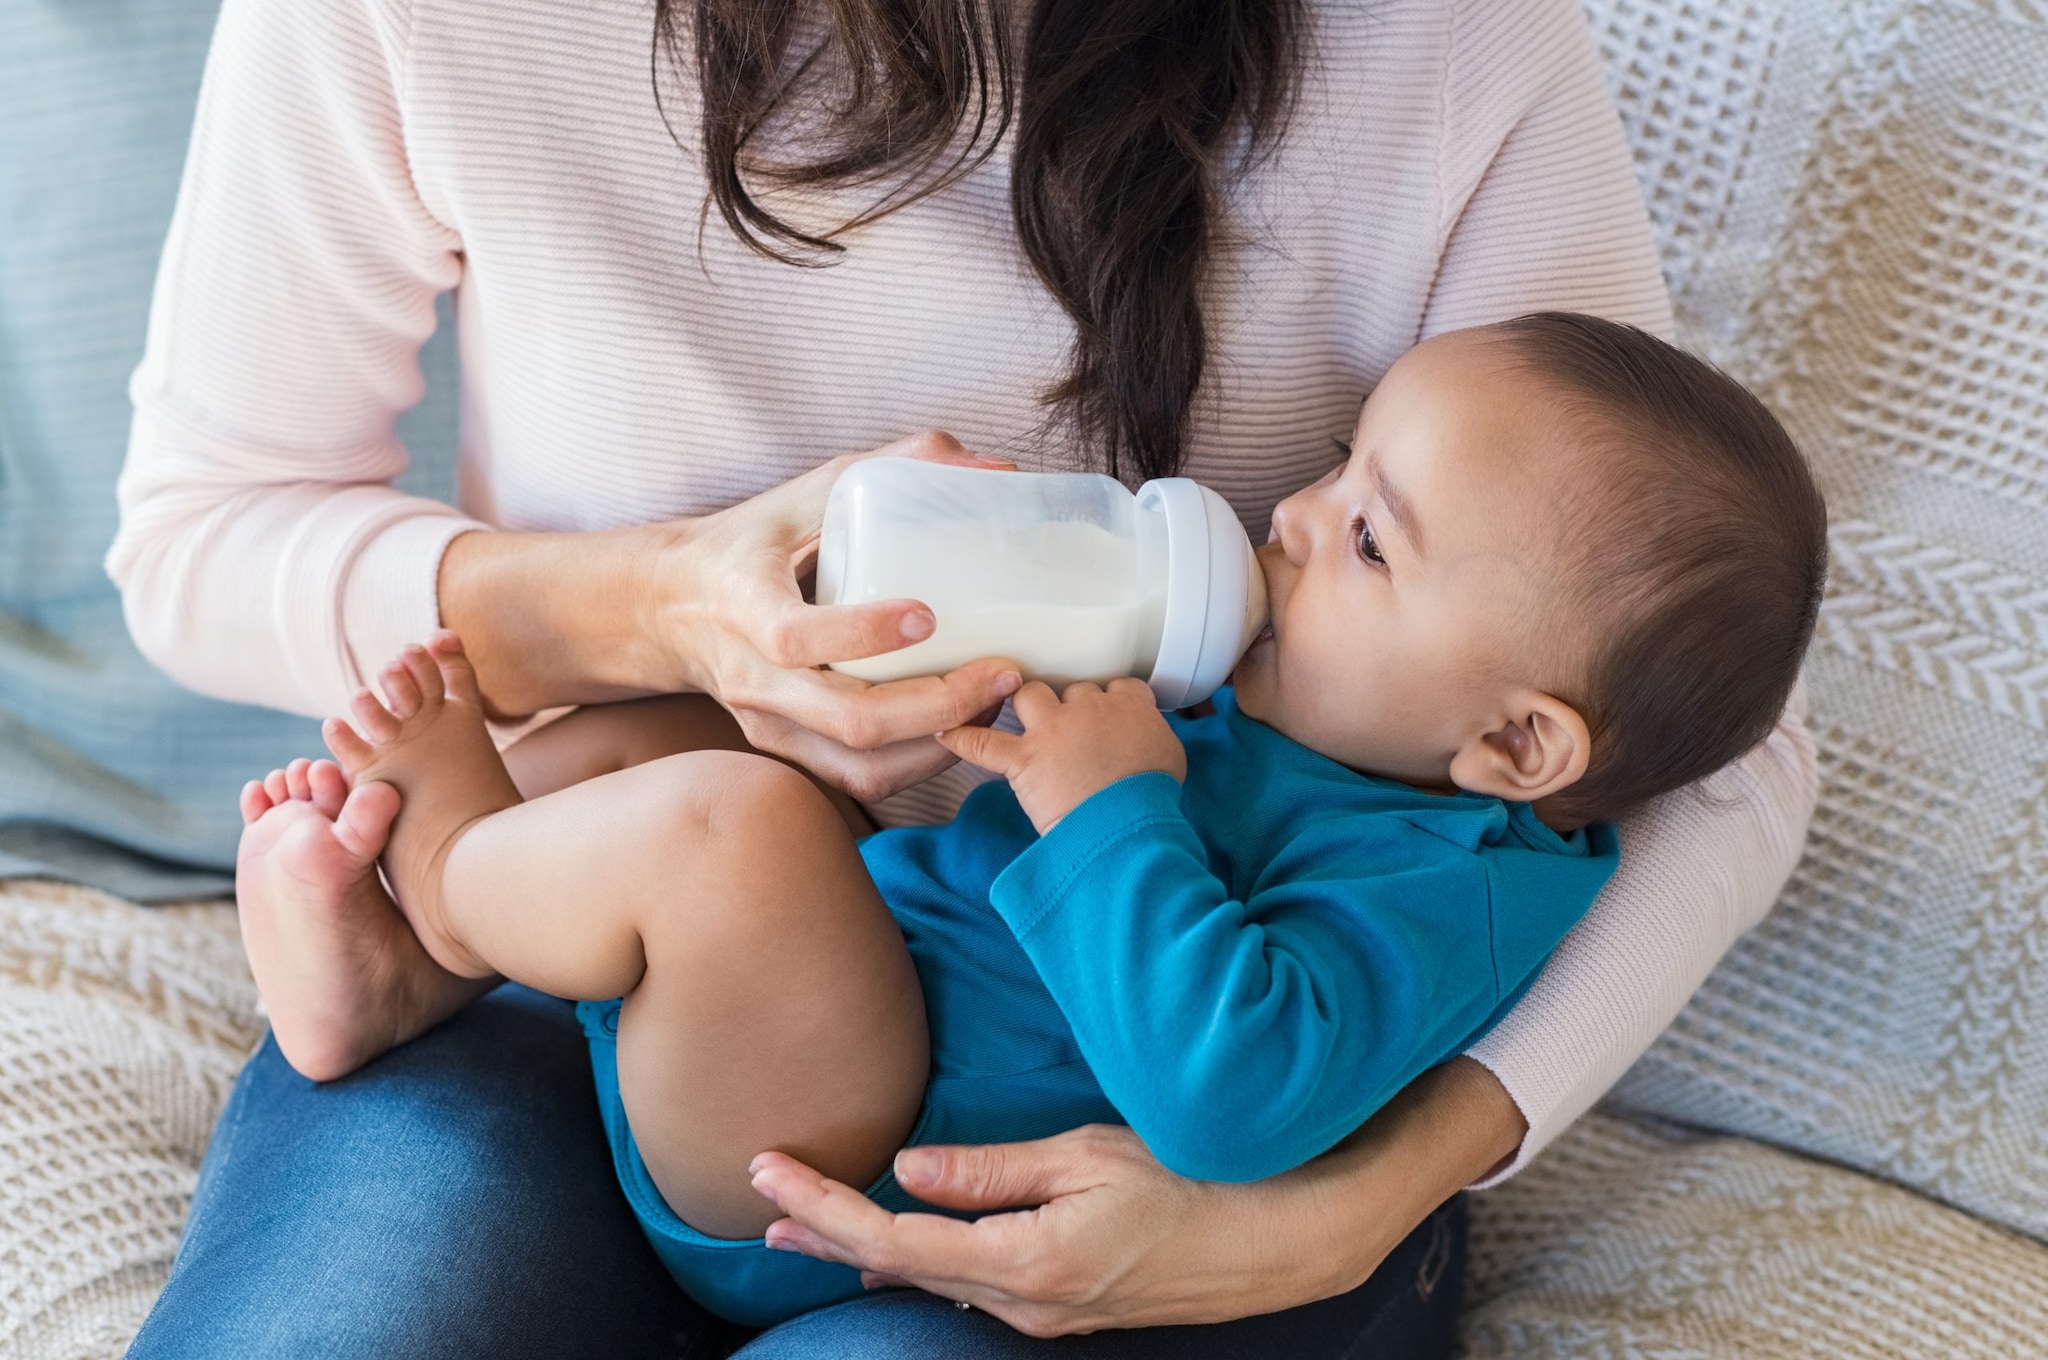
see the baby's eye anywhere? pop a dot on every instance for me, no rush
(1368, 546)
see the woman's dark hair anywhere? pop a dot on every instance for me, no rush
(1127, 113)
(1701, 550)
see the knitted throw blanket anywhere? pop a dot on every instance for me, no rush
(1852, 201)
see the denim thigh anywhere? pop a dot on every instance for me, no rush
(453, 1198)
(456, 1198)
(1408, 1310)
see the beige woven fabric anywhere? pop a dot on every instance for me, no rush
(1852, 202)
(1633, 1243)
(124, 1028)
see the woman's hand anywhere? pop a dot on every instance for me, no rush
(730, 604)
(714, 605)
(1119, 1241)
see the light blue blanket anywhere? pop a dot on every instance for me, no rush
(110, 774)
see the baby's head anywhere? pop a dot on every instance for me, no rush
(1566, 563)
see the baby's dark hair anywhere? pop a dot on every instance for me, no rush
(1703, 549)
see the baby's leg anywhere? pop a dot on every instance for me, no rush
(340, 970)
(338, 966)
(605, 738)
(770, 1003)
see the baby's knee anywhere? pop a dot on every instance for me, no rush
(738, 799)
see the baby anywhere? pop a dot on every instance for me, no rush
(1565, 568)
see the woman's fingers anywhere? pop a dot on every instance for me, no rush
(1004, 1175)
(799, 503)
(796, 635)
(835, 1222)
(863, 716)
(868, 776)
(935, 446)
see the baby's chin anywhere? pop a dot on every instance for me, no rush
(1244, 676)
(1251, 685)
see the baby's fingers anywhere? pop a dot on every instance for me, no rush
(998, 752)
(1131, 690)
(1034, 703)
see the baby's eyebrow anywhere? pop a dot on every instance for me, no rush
(1397, 505)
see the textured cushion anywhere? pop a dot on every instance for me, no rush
(1852, 201)
(1633, 1242)
(109, 772)
(125, 1026)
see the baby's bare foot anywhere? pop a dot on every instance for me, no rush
(427, 739)
(340, 971)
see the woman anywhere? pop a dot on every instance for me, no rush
(1206, 231)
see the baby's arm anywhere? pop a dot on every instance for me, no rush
(1238, 1038)
(1243, 1037)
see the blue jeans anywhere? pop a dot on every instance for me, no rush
(457, 1198)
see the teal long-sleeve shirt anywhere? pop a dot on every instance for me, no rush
(1254, 961)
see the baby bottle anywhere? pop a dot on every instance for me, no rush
(1068, 574)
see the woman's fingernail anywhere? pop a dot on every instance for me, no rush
(774, 1243)
(754, 1167)
(1008, 683)
(915, 627)
(919, 1165)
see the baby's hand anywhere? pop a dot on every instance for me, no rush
(1074, 745)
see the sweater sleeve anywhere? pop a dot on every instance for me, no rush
(1540, 209)
(1242, 1038)
(1699, 866)
(262, 554)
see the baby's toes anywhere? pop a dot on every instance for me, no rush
(364, 824)
(274, 784)
(425, 674)
(329, 787)
(255, 801)
(373, 720)
(295, 779)
(351, 750)
(456, 672)
(401, 691)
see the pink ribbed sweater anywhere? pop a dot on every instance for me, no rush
(1451, 162)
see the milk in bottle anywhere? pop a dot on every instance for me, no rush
(1068, 574)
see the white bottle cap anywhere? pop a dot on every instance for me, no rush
(1215, 592)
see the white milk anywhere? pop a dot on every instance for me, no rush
(1070, 575)
(1061, 599)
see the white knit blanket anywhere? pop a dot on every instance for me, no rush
(1852, 199)
(1853, 206)
(124, 1028)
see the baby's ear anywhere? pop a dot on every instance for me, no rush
(1539, 746)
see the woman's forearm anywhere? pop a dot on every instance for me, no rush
(565, 618)
(1342, 1213)
(714, 605)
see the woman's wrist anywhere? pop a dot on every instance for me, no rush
(562, 618)
(1343, 1212)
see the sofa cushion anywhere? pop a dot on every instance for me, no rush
(109, 772)
(1853, 206)
(125, 1027)
(1632, 1241)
